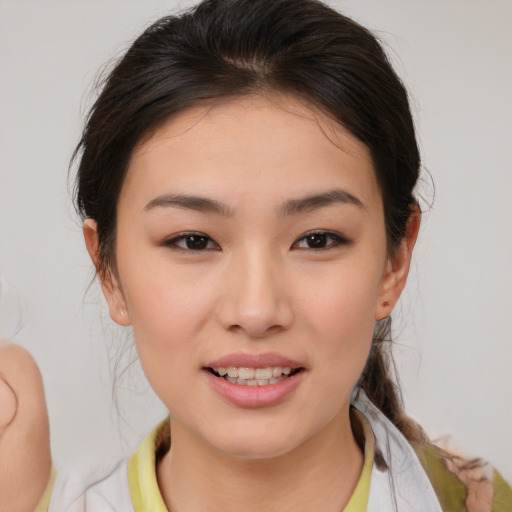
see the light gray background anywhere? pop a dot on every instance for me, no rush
(454, 324)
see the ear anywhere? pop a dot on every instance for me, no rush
(109, 282)
(397, 267)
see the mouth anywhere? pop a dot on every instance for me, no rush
(254, 380)
(246, 376)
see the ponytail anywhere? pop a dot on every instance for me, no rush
(379, 381)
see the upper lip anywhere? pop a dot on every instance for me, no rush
(253, 361)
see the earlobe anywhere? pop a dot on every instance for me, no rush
(109, 282)
(397, 267)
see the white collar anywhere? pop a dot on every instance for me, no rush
(403, 486)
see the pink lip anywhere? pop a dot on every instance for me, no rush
(254, 396)
(253, 361)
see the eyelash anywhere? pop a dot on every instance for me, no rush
(185, 238)
(203, 241)
(336, 240)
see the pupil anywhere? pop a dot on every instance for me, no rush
(316, 241)
(196, 242)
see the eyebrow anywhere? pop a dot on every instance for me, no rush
(313, 202)
(186, 202)
(291, 207)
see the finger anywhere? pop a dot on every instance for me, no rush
(8, 404)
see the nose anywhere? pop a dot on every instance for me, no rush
(255, 299)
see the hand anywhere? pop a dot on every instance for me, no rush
(25, 458)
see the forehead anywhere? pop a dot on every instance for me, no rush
(275, 144)
(262, 114)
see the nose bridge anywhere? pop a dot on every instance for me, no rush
(257, 299)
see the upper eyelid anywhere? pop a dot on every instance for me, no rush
(180, 236)
(338, 238)
(334, 234)
(184, 234)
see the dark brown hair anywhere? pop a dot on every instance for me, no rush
(229, 48)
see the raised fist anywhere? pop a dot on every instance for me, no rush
(25, 458)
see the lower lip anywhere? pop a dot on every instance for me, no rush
(254, 396)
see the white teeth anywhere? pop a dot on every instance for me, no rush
(246, 373)
(232, 372)
(276, 371)
(263, 373)
(254, 376)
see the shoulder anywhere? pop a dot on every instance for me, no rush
(112, 491)
(74, 492)
(131, 485)
(462, 484)
(407, 473)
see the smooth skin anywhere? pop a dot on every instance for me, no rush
(25, 458)
(254, 226)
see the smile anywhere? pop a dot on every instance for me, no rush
(245, 376)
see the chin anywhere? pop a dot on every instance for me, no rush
(255, 449)
(256, 441)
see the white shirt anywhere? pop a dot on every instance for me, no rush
(400, 484)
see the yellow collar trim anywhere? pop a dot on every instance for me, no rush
(44, 502)
(359, 500)
(146, 495)
(142, 480)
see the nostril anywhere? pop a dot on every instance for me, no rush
(256, 331)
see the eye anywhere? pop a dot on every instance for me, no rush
(192, 242)
(320, 240)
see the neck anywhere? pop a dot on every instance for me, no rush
(320, 474)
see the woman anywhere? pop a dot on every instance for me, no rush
(246, 180)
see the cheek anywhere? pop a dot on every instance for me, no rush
(168, 311)
(342, 301)
(340, 315)
(160, 293)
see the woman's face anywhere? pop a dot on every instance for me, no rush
(251, 240)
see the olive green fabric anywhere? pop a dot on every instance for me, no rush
(502, 499)
(450, 491)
